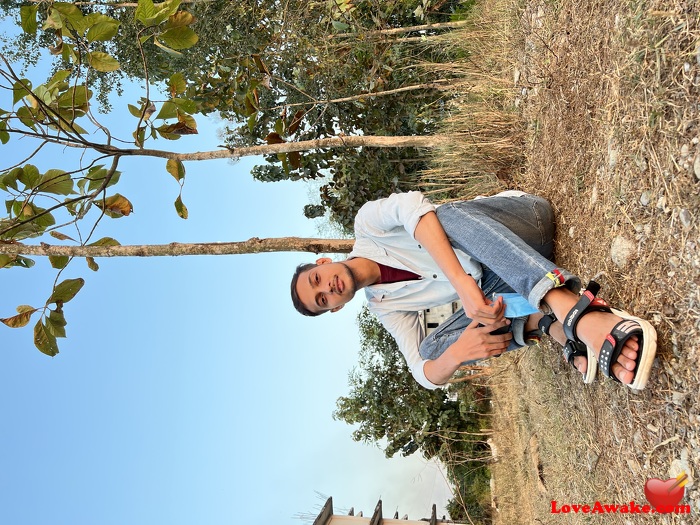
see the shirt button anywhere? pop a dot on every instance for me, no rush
(420, 247)
(434, 276)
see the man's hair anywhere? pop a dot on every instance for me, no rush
(295, 296)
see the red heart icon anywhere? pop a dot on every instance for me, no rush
(662, 494)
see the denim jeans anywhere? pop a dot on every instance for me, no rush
(513, 239)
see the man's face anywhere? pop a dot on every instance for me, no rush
(328, 286)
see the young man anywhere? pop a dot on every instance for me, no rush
(495, 255)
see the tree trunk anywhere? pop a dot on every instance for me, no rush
(354, 141)
(106, 3)
(253, 245)
(443, 84)
(399, 30)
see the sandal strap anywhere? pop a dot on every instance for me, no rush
(545, 323)
(586, 304)
(573, 349)
(615, 342)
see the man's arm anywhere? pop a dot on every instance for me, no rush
(431, 235)
(476, 342)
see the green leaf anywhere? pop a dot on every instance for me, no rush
(53, 21)
(44, 340)
(340, 26)
(59, 261)
(177, 84)
(20, 89)
(66, 290)
(167, 110)
(21, 319)
(136, 112)
(26, 117)
(72, 16)
(176, 168)
(252, 120)
(57, 81)
(27, 15)
(150, 14)
(105, 241)
(185, 104)
(92, 264)
(29, 176)
(179, 38)
(145, 10)
(103, 31)
(9, 261)
(9, 179)
(102, 62)
(56, 323)
(57, 182)
(75, 97)
(181, 208)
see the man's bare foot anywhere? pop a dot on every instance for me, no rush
(593, 329)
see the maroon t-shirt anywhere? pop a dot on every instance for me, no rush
(394, 275)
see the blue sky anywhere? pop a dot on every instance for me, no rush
(188, 390)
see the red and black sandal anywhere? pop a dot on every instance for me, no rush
(615, 341)
(573, 349)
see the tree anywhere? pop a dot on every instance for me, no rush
(388, 404)
(53, 114)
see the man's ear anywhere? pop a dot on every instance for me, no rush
(324, 260)
(336, 309)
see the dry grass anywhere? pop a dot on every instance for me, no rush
(487, 135)
(609, 95)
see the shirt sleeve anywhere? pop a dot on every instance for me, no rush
(407, 330)
(399, 210)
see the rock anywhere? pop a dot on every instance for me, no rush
(685, 150)
(621, 250)
(696, 166)
(645, 199)
(686, 218)
(678, 397)
(661, 203)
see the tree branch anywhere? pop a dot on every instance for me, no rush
(253, 245)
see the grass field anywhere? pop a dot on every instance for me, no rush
(597, 105)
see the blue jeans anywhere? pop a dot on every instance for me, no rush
(513, 239)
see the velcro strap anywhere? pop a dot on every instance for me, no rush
(573, 349)
(587, 303)
(614, 343)
(545, 323)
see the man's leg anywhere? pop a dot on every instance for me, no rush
(514, 237)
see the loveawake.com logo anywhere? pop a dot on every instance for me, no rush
(663, 496)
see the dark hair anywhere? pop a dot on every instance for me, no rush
(295, 296)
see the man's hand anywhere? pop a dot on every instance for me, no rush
(475, 303)
(476, 342)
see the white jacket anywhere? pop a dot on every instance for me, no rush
(384, 233)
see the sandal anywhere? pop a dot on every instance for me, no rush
(573, 349)
(615, 340)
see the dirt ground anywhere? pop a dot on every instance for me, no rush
(610, 93)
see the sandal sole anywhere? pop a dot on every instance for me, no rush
(648, 350)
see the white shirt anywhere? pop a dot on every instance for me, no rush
(384, 233)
